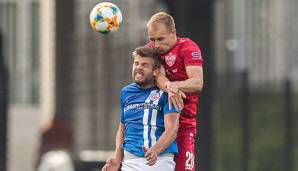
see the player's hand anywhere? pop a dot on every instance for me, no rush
(176, 100)
(172, 86)
(111, 165)
(150, 155)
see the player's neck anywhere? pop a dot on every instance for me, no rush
(172, 46)
(146, 86)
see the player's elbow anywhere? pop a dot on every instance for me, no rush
(172, 132)
(175, 131)
(198, 86)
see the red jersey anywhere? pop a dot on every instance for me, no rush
(184, 53)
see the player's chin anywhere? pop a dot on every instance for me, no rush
(139, 81)
(160, 51)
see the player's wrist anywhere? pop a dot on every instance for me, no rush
(177, 83)
(118, 157)
(166, 84)
(156, 150)
(172, 87)
(117, 161)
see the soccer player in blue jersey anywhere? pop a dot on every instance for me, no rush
(147, 130)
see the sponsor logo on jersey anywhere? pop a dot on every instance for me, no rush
(141, 106)
(196, 54)
(170, 59)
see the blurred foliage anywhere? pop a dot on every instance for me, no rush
(266, 131)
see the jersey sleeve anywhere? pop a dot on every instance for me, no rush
(166, 109)
(122, 107)
(149, 45)
(191, 54)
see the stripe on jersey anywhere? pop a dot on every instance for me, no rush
(153, 127)
(145, 123)
(153, 120)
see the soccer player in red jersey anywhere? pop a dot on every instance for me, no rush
(182, 78)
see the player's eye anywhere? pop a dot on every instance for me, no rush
(151, 39)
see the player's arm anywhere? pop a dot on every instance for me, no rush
(119, 141)
(171, 122)
(194, 83)
(113, 164)
(174, 97)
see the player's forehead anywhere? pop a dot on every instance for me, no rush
(157, 30)
(143, 59)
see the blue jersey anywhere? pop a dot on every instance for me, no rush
(142, 113)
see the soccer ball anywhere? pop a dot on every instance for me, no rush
(105, 17)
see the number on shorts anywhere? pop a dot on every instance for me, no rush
(189, 164)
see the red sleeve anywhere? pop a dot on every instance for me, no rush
(191, 54)
(149, 45)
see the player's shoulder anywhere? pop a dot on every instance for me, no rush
(189, 48)
(187, 43)
(129, 87)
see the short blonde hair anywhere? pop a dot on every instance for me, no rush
(162, 17)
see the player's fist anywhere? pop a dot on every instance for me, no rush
(150, 155)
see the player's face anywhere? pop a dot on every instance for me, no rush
(160, 36)
(143, 71)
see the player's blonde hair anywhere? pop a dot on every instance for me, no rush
(162, 17)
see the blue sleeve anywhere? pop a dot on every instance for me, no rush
(166, 109)
(121, 107)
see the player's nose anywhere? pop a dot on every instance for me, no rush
(139, 67)
(156, 45)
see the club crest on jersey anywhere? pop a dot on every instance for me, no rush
(170, 59)
(154, 96)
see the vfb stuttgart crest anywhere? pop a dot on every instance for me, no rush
(154, 96)
(170, 59)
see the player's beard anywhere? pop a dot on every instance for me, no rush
(146, 81)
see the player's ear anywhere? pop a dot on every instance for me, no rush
(174, 31)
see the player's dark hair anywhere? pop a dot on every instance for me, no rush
(162, 17)
(149, 53)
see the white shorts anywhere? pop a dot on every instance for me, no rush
(135, 163)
